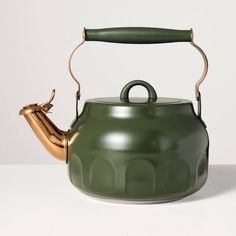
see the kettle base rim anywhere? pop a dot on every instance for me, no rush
(138, 201)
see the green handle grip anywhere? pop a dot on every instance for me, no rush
(138, 35)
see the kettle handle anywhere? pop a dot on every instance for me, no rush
(142, 35)
(138, 35)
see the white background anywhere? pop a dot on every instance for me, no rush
(36, 38)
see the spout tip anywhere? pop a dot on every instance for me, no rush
(29, 109)
(21, 112)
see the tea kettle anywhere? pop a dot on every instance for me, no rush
(138, 150)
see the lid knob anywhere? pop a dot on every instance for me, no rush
(152, 95)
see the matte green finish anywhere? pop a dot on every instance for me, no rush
(138, 35)
(138, 150)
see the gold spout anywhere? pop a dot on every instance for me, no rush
(53, 139)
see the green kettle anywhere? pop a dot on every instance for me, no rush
(137, 150)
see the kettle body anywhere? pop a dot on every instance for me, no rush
(139, 153)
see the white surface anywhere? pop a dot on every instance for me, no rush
(38, 36)
(39, 200)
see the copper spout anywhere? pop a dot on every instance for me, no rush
(53, 139)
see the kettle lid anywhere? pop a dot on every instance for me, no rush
(125, 100)
(160, 101)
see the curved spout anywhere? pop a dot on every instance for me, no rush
(53, 139)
